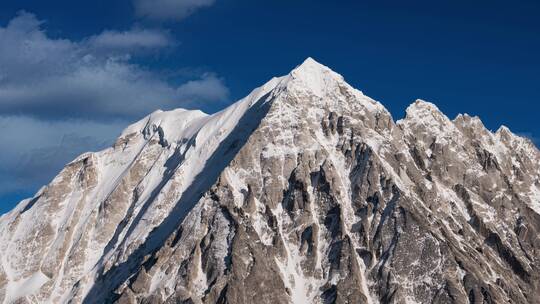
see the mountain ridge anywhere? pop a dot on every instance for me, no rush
(305, 168)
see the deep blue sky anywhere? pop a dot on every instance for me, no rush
(477, 57)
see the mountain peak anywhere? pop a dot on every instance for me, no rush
(311, 63)
(424, 113)
(422, 106)
(173, 125)
(314, 77)
(310, 67)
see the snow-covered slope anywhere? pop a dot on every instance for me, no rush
(305, 191)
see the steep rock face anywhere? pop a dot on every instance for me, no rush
(306, 191)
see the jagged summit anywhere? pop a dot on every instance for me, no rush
(310, 64)
(304, 191)
(420, 105)
(176, 124)
(422, 110)
(311, 69)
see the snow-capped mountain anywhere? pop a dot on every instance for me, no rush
(305, 191)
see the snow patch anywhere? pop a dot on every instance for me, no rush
(25, 287)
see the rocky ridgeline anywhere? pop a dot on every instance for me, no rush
(306, 191)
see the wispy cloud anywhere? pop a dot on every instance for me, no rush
(94, 78)
(60, 97)
(130, 41)
(34, 150)
(169, 9)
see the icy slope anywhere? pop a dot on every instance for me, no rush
(104, 204)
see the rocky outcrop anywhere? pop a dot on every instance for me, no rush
(306, 191)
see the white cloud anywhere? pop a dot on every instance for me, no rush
(26, 54)
(92, 79)
(132, 40)
(34, 150)
(209, 87)
(59, 97)
(169, 9)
